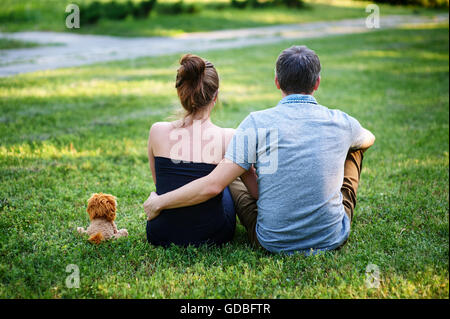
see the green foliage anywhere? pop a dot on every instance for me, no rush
(91, 13)
(241, 4)
(423, 3)
(291, 3)
(67, 133)
(143, 9)
(116, 10)
(17, 13)
(179, 7)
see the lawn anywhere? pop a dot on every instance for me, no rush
(6, 43)
(68, 133)
(19, 15)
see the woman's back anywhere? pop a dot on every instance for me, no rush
(193, 225)
(198, 141)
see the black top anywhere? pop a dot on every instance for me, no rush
(194, 225)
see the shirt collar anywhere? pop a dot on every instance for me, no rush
(298, 99)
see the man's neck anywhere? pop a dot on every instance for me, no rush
(283, 94)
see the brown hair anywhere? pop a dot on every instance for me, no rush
(197, 83)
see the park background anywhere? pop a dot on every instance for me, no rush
(70, 132)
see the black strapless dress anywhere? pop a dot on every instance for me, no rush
(211, 222)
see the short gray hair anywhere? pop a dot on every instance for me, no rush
(298, 69)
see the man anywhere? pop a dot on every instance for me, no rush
(308, 161)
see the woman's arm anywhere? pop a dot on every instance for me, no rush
(151, 144)
(197, 191)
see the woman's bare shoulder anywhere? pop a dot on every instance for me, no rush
(158, 128)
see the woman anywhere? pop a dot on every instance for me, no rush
(184, 150)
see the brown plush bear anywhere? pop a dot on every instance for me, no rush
(102, 213)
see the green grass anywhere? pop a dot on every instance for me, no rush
(68, 133)
(6, 43)
(21, 15)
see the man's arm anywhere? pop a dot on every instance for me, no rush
(195, 192)
(365, 140)
(362, 138)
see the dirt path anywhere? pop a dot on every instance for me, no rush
(75, 49)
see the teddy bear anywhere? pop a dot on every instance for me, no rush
(102, 213)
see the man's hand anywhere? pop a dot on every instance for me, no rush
(250, 180)
(150, 206)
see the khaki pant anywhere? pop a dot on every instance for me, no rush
(247, 210)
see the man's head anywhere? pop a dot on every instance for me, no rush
(298, 71)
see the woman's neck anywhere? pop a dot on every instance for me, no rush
(204, 117)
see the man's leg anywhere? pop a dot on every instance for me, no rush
(352, 174)
(246, 209)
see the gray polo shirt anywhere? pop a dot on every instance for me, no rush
(298, 149)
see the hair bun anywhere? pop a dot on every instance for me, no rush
(192, 67)
(197, 83)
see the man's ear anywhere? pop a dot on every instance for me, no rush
(317, 84)
(277, 84)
